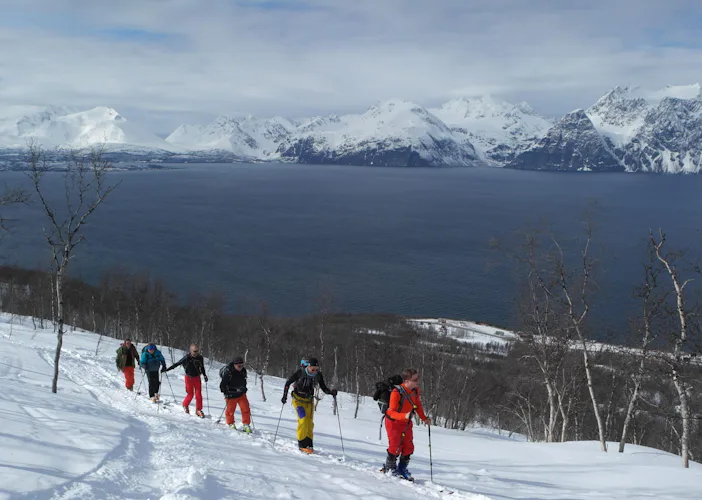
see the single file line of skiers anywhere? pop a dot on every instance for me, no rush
(398, 398)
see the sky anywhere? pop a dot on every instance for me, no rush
(165, 62)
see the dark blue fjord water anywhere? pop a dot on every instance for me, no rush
(409, 241)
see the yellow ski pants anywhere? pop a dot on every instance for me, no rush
(305, 420)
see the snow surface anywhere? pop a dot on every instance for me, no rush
(96, 440)
(468, 331)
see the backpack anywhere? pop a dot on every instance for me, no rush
(223, 372)
(383, 390)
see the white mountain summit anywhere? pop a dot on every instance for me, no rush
(62, 127)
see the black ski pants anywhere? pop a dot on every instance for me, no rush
(154, 383)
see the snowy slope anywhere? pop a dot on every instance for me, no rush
(498, 129)
(61, 127)
(247, 137)
(392, 133)
(95, 440)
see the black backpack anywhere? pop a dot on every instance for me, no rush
(383, 390)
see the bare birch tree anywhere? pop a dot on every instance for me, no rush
(574, 296)
(681, 344)
(650, 310)
(84, 191)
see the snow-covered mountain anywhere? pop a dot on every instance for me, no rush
(248, 137)
(497, 129)
(627, 129)
(391, 133)
(462, 132)
(63, 127)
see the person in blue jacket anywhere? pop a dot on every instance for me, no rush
(151, 361)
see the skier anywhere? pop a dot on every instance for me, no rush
(194, 365)
(151, 360)
(404, 401)
(127, 356)
(304, 382)
(233, 386)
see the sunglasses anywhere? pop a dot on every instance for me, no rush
(238, 364)
(194, 352)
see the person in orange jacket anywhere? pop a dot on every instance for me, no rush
(404, 401)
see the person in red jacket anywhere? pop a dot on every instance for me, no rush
(404, 401)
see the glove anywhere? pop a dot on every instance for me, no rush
(427, 421)
(206, 379)
(284, 399)
(334, 392)
(164, 369)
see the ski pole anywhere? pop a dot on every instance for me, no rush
(431, 465)
(142, 381)
(340, 436)
(277, 426)
(158, 399)
(169, 385)
(207, 393)
(380, 429)
(220, 416)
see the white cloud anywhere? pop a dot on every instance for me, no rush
(192, 58)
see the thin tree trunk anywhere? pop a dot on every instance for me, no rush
(630, 411)
(59, 343)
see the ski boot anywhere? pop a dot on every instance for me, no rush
(232, 427)
(246, 429)
(200, 413)
(402, 471)
(186, 409)
(390, 464)
(309, 451)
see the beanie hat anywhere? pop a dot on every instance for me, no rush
(313, 362)
(238, 360)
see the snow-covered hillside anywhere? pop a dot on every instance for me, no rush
(96, 440)
(63, 127)
(497, 129)
(627, 129)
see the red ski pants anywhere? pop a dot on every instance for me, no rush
(128, 376)
(193, 386)
(243, 403)
(397, 443)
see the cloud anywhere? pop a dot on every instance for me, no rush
(181, 58)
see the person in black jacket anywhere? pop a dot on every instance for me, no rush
(233, 385)
(304, 382)
(194, 365)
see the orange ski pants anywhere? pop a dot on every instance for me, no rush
(243, 403)
(128, 377)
